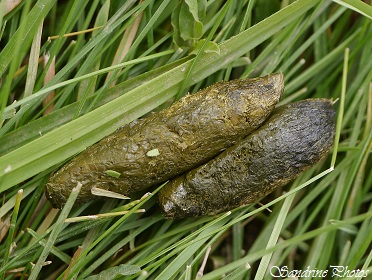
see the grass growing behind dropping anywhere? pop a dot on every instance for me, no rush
(63, 91)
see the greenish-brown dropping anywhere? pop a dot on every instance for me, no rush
(296, 137)
(149, 151)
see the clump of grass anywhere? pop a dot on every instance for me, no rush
(62, 91)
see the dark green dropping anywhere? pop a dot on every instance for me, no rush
(152, 150)
(295, 138)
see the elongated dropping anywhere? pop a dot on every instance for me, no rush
(152, 150)
(295, 138)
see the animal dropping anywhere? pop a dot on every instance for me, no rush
(152, 150)
(296, 137)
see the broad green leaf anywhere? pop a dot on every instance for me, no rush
(187, 20)
(190, 26)
(211, 47)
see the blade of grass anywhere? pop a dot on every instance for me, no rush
(9, 204)
(341, 109)
(55, 232)
(41, 126)
(145, 30)
(19, 255)
(190, 239)
(264, 263)
(44, 91)
(334, 211)
(117, 246)
(80, 259)
(55, 251)
(155, 244)
(298, 52)
(32, 22)
(113, 23)
(358, 6)
(5, 89)
(100, 216)
(189, 250)
(86, 88)
(9, 242)
(322, 64)
(238, 272)
(33, 62)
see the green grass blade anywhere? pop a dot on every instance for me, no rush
(12, 227)
(32, 22)
(358, 6)
(264, 263)
(55, 232)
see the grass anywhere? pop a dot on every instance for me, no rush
(131, 57)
